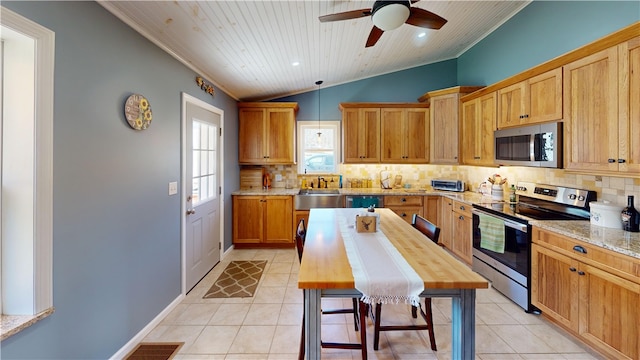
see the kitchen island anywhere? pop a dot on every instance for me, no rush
(325, 271)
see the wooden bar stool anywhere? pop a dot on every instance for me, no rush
(359, 310)
(432, 232)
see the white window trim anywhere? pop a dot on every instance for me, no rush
(332, 124)
(42, 137)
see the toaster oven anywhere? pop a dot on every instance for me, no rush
(448, 185)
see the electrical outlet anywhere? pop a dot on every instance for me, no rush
(278, 177)
(173, 188)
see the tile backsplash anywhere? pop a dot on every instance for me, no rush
(610, 188)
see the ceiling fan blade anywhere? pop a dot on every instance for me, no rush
(426, 19)
(353, 14)
(374, 36)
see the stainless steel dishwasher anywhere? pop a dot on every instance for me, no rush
(363, 201)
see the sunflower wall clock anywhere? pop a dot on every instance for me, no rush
(137, 110)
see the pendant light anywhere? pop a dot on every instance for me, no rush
(319, 82)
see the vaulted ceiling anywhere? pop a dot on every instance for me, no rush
(247, 48)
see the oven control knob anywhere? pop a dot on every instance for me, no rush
(521, 188)
(572, 196)
(581, 198)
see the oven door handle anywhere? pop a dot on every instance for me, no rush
(508, 223)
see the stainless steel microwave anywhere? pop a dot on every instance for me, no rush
(533, 145)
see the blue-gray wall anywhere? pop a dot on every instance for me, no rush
(116, 232)
(540, 32)
(401, 86)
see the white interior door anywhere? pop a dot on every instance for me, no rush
(202, 188)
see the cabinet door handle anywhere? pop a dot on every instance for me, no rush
(461, 207)
(621, 161)
(403, 215)
(580, 272)
(580, 249)
(461, 217)
(403, 200)
(476, 158)
(611, 161)
(572, 269)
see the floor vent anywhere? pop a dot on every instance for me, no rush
(155, 351)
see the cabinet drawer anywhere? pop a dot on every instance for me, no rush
(406, 212)
(462, 208)
(607, 260)
(411, 200)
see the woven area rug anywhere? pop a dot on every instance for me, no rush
(239, 279)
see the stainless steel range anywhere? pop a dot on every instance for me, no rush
(502, 234)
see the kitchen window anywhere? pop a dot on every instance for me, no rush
(318, 147)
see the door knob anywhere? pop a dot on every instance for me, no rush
(191, 212)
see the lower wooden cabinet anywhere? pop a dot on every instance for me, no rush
(456, 222)
(431, 208)
(462, 223)
(592, 292)
(445, 221)
(262, 221)
(405, 206)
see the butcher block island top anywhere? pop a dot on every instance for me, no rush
(325, 270)
(325, 264)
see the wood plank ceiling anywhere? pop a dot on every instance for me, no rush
(247, 48)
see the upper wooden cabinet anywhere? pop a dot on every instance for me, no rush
(478, 125)
(629, 112)
(535, 100)
(384, 132)
(405, 135)
(445, 123)
(591, 112)
(267, 133)
(602, 111)
(361, 135)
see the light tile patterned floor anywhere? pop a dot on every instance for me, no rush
(268, 325)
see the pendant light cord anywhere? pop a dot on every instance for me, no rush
(319, 82)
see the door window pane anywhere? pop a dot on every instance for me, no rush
(204, 162)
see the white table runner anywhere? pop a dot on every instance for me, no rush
(380, 272)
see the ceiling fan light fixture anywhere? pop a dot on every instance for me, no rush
(389, 15)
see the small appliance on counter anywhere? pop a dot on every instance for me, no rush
(448, 185)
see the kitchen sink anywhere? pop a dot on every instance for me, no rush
(319, 192)
(318, 198)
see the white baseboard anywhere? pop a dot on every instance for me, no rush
(225, 253)
(129, 346)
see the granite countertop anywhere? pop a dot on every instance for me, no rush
(616, 240)
(620, 241)
(467, 196)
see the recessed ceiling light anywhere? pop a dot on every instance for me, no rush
(422, 34)
(295, 63)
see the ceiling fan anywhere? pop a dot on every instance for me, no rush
(388, 15)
